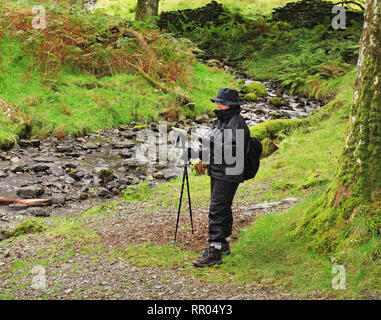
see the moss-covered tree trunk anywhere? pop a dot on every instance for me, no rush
(146, 9)
(350, 211)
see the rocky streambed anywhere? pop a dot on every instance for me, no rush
(74, 174)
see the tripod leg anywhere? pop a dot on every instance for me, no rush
(181, 199)
(189, 200)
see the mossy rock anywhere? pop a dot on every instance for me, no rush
(26, 227)
(269, 147)
(313, 180)
(201, 54)
(7, 144)
(24, 130)
(250, 97)
(271, 129)
(190, 114)
(139, 127)
(255, 87)
(105, 174)
(241, 82)
(276, 101)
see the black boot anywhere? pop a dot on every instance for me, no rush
(210, 257)
(225, 249)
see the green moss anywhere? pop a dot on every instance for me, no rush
(139, 127)
(276, 101)
(105, 173)
(271, 129)
(26, 227)
(190, 114)
(313, 180)
(255, 87)
(250, 97)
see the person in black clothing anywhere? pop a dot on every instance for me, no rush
(228, 143)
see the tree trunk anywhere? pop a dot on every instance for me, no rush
(147, 9)
(350, 211)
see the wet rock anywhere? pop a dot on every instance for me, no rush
(69, 180)
(90, 146)
(57, 171)
(58, 199)
(71, 165)
(30, 192)
(126, 154)
(103, 193)
(44, 160)
(39, 168)
(123, 127)
(2, 174)
(24, 143)
(170, 175)
(17, 207)
(77, 175)
(131, 163)
(64, 149)
(105, 174)
(158, 175)
(35, 143)
(122, 145)
(39, 212)
(15, 160)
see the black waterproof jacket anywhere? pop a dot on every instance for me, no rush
(227, 145)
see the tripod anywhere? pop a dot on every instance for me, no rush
(185, 178)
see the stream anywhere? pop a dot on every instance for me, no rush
(78, 173)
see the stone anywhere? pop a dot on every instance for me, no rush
(105, 174)
(125, 153)
(90, 146)
(35, 143)
(158, 175)
(24, 143)
(103, 193)
(69, 180)
(123, 145)
(30, 192)
(39, 168)
(39, 212)
(64, 149)
(15, 160)
(17, 207)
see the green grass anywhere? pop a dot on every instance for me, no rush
(65, 104)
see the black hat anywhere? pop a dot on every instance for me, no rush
(227, 97)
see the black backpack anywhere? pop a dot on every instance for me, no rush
(253, 153)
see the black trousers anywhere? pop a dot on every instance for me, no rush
(220, 211)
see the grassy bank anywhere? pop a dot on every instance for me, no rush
(49, 81)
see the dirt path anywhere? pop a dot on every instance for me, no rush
(74, 270)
